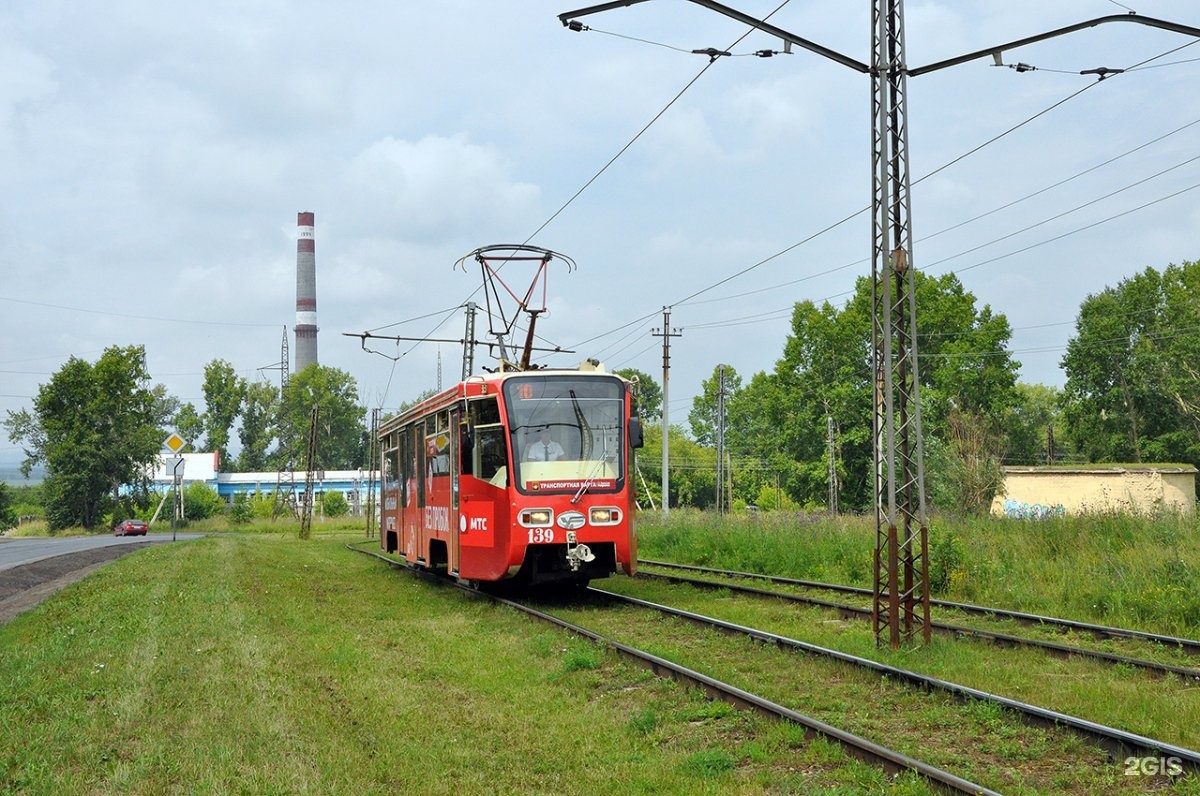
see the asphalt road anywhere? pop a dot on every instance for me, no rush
(26, 550)
(33, 569)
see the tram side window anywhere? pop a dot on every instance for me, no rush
(391, 466)
(406, 471)
(489, 454)
(437, 444)
(485, 412)
(465, 444)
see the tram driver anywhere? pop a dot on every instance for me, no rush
(543, 448)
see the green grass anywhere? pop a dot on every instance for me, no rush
(1138, 572)
(264, 664)
(977, 740)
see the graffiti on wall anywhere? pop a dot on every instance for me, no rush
(1015, 509)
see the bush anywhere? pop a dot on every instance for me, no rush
(946, 562)
(27, 500)
(262, 505)
(773, 499)
(241, 512)
(201, 501)
(334, 504)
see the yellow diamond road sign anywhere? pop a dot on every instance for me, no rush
(175, 442)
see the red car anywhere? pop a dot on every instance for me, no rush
(130, 528)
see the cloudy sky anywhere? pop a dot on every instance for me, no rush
(154, 156)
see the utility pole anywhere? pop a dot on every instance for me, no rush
(666, 334)
(901, 528)
(722, 507)
(306, 511)
(372, 468)
(831, 443)
(284, 478)
(468, 364)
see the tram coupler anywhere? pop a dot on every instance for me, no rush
(577, 554)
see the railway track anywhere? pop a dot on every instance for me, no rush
(856, 746)
(1118, 743)
(1188, 646)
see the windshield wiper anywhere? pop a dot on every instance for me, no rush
(591, 479)
(585, 430)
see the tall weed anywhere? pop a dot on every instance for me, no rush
(1116, 569)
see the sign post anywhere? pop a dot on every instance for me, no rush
(175, 443)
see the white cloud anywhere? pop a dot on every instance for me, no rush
(437, 187)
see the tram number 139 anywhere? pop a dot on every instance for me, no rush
(541, 536)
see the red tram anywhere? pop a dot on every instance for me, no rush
(521, 475)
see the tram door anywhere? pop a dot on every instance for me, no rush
(414, 503)
(456, 421)
(439, 509)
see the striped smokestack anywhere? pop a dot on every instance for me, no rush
(306, 292)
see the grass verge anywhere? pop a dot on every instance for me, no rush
(265, 664)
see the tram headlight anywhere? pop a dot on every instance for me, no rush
(536, 518)
(604, 515)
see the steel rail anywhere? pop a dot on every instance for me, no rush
(1190, 646)
(858, 747)
(1120, 743)
(958, 631)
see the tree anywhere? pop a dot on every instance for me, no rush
(648, 392)
(825, 373)
(341, 430)
(1179, 364)
(1027, 426)
(703, 417)
(964, 471)
(693, 468)
(95, 427)
(259, 409)
(963, 361)
(189, 425)
(8, 514)
(224, 392)
(1133, 386)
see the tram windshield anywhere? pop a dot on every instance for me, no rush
(566, 432)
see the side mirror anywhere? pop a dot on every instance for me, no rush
(635, 432)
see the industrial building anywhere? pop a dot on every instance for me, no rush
(202, 467)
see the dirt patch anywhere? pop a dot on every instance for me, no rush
(25, 586)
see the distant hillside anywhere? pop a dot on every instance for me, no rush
(11, 474)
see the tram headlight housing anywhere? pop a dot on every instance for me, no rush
(604, 515)
(537, 518)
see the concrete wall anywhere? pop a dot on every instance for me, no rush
(1038, 492)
